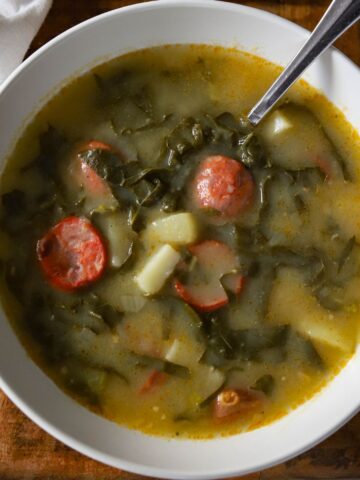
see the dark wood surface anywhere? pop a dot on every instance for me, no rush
(28, 453)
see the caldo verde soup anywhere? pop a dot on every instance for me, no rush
(168, 265)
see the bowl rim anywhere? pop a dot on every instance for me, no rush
(61, 435)
(155, 4)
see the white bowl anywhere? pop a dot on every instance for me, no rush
(104, 37)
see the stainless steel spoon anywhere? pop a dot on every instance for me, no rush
(340, 15)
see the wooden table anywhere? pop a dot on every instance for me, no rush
(28, 453)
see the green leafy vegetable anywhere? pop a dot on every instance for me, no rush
(309, 352)
(53, 146)
(249, 151)
(176, 370)
(14, 202)
(225, 345)
(148, 174)
(265, 384)
(142, 99)
(170, 202)
(345, 254)
(251, 342)
(106, 164)
(227, 120)
(220, 344)
(330, 296)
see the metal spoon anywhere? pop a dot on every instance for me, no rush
(340, 15)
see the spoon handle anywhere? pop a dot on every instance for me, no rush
(340, 15)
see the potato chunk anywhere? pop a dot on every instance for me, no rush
(157, 270)
(276, 124)
(185, 352)
(180, 229)
(296, 140)
(291, 302)
(206, 380)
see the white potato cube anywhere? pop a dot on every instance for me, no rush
(157, 270)
(185, 352)
(328, 334)
(292, 302)
(277, 124)
(207, 380)
(180, 228)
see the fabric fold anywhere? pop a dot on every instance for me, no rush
(20, 20)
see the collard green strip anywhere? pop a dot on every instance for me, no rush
(53, 146)
(106, 164)
(14, 202)
(265, 384)
(345, 254)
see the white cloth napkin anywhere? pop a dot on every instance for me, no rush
(19, 22)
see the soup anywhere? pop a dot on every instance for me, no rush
(168, 265)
